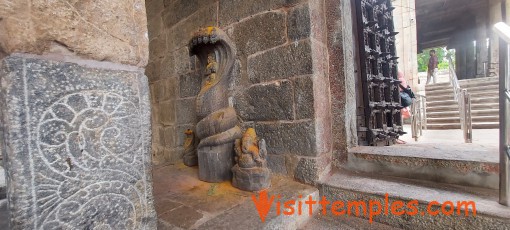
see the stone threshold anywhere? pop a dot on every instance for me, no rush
(345, 186)
(184, 202)
(453, 164)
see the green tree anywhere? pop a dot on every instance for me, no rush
(441, 52)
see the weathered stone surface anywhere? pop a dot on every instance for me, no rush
(180, 138)
(88, 28)
(157, 47)
(287, 61)
(217, 133)
(177, 10)
(186, 112)
(158, 154)
(298, 22)
(276, 163)
(168, 137)
(215, 163)
(155, 27)
(183, 217)
(165, 89)
(311, 170)
(190, 157)
(154, 8)
(152, 70)
(173, 155)
(234, 10)
(251, 179)
(182, 61)
(180, 34)
(267, 102)
(285, 3)
(250, 172)
(4, 214)
(77, 146)
(303, 97)
(167, 67)
(167, 112)
(341, 70)
(3, 186)
(260, 32)
(296, 138)
(189, 85)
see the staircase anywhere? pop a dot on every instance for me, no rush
(421, 173)
(443, 110)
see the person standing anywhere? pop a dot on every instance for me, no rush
(432, 67)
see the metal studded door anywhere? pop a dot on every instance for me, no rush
(379, 119)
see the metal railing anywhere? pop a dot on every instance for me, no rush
(503, 30)
(418, 116)
(463, 99)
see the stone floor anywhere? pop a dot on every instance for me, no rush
(485, 139)
(183, 202)
(319, 222)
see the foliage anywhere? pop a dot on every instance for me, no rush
(441, 52)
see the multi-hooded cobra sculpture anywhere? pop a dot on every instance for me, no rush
(218, 125)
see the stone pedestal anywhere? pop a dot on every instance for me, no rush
(251, 179)
(77, 145)
(215, 163)
(190, 160)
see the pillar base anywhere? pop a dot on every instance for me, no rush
(251, 179)
(215, 163)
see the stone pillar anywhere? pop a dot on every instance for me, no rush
(404, 17)
(75, 115)
(482, 51)
(460, 57)
(495, 16)
(470, 59)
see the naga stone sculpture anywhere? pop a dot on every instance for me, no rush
(218, 125)
(190, 157)
(251, 172)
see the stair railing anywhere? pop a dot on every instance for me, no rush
(503, 30)
(463, 99)
(418, 116)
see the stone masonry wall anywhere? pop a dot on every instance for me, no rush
(281, 86)
(75, 114)
(342, 76)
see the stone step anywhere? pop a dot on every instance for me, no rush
(464, 83)
(477, 125)
(471, 85)
(345, 187)
(444, 126)
(476, 88)
(474, 96)
(470, 90)
(331, 222)
(457, 119)
(453, 164)
(479, 80)
(476, 106)
(477, 100)
(438, 86)
(487, 112)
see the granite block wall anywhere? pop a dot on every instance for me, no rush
(281, 86)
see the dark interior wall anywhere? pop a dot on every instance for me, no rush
(281, 86)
